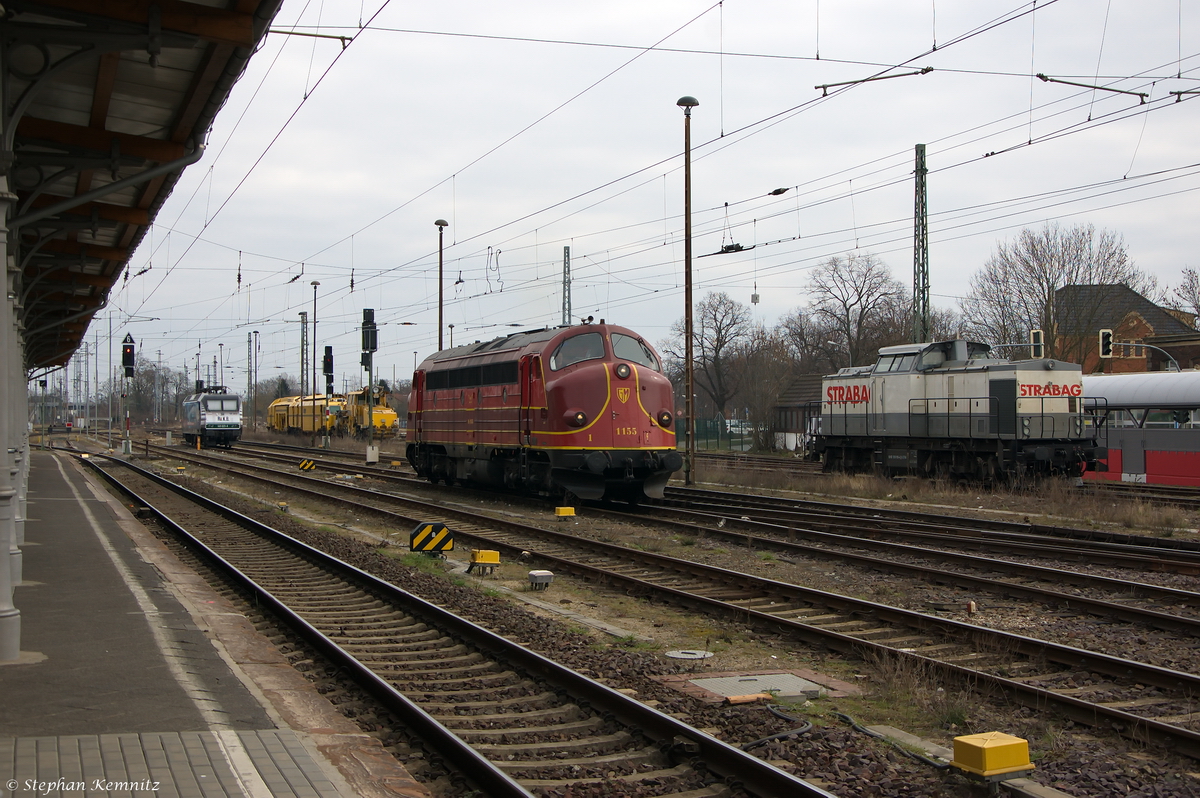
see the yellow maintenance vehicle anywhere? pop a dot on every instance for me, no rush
(365, 409)
(306, 414)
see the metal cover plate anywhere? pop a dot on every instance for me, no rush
(785, 685)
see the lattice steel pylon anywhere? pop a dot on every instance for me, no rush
(566, 309)
(920, 302)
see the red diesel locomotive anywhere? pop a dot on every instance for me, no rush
(582, 411)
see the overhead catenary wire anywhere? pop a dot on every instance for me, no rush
(1009, 16)
(858, 190)
(263, 154)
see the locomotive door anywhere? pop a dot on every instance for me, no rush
(524, 413)
(533, 398)
(418, 405)
(877, 408)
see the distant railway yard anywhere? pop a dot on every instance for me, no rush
(1023, 613)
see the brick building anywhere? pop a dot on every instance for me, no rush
(1081, 311)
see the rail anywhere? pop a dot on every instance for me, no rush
(737, 767)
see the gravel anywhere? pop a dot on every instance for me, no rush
(1079, 761)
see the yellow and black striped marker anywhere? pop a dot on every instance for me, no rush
(308, 465)
(431, 536)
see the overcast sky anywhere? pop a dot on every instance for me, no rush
(530, 126)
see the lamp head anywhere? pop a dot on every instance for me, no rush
(687, 102)
(442, 223)
(315, 283)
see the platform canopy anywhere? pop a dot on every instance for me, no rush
(1153, 390)
(105, 103)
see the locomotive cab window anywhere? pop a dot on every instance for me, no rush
(932, 358)
(221, 404)
(626, 347)
(588, 346)
(895, 363)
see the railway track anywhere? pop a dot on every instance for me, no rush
(1179, 495)
(729, 509)
(1005, 537)
(1143, 701)
(509, 720)
(759, 464)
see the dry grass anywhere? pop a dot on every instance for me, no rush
(910, 694)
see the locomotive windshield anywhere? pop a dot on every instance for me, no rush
(221, 403)
(895, 363)
(626, 347)
(588, 346)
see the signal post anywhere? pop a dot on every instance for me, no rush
(370, 343)
(128, 359)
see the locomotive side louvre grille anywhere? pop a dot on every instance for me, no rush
(473, 376)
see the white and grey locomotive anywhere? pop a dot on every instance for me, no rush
(951, 409)
(213, 417)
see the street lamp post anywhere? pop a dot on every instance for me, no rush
(687, 103)
(849, 358)
(441, 226)
(451, 336)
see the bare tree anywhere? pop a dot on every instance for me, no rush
(1014, 292)
(945, 324)
(853, 295)
(766, 365)
(720, 325)
(1186, 297)
(807, 337)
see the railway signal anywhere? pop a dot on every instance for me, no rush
(370, 333)
(1106, 343)
(370, 343)
(1037, 347)
(128, 355)
(327, 370)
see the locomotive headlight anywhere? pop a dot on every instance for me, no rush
(665, 417)
(575, 418)
(623, 370)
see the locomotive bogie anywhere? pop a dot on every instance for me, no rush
(949, 409)
(583, 411)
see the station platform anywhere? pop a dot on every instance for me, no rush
(136, 678)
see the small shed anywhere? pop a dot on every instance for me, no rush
(796, 411)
